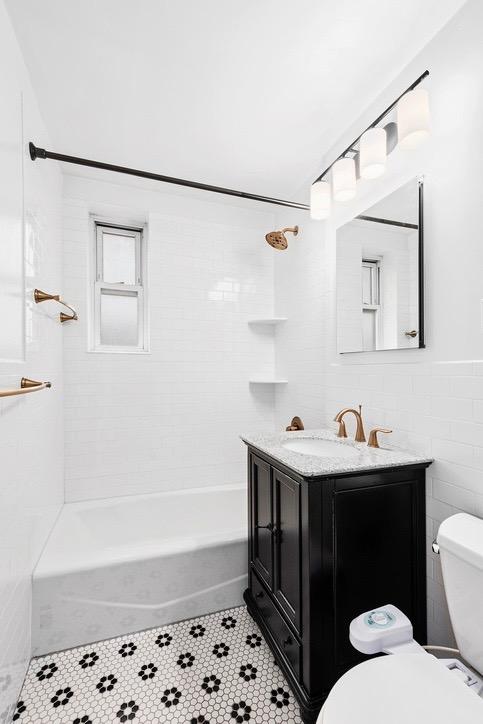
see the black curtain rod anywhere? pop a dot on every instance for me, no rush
(350, 147)
(391, 222)
(36, 152)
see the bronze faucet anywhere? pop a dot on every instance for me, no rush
(296, 424)
(359, 436)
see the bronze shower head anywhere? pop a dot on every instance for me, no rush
(278, 240)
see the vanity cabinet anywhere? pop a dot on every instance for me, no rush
(322, 550)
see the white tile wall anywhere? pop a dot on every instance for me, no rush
(433, 398)
(31, 435)
(169, 419)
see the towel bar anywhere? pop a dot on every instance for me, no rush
(40, 296)
(26, 386)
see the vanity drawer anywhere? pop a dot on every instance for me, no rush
(282, 634)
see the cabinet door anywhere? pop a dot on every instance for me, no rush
(379, 548)
(261, 550)
(287, 542)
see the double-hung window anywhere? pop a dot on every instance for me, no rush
(119, 291)
(371, 303)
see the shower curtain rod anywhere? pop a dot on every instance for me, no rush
(36, 152)
(391, 222)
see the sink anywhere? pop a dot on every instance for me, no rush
(320, 448)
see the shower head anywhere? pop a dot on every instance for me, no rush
(278, 240)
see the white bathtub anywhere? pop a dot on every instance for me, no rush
(121, 565)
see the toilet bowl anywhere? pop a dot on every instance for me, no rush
(401, 689)
(409, 684)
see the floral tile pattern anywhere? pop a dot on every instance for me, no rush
(208, 670)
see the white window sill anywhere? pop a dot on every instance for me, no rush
(119, 350)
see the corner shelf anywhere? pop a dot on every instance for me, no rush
(268, 381)
(268, 321)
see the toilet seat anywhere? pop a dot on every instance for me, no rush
(399, 689)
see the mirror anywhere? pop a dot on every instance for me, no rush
(380, 275)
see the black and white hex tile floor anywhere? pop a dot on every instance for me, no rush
(207, 670)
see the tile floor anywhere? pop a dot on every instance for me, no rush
(207, 670)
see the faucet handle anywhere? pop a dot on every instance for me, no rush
(373, 441)
(296, 424)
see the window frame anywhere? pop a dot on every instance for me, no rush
(375, 308)
(138, 231)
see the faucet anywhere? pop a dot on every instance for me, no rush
(359, 436)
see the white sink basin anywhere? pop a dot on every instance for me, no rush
(320, 448)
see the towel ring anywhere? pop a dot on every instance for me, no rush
(40, 296)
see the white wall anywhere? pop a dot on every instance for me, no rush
(31, 435)
(433, 398)
(169, 419)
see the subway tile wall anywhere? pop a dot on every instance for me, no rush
(31, 431)
(171, 418)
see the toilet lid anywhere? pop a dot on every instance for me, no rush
(398, 689)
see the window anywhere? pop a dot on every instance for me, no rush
(371, 282)
(119, 295)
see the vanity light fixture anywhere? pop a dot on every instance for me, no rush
(372, 153)
(344, 179)
(320, 200)
(366, 156)
(413, 118)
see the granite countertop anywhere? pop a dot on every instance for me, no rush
(356, 456)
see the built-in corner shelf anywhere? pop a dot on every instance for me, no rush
(268, 321)
(267, 381)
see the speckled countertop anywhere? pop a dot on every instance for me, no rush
(363, 458)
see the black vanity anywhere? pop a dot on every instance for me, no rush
(324, 548)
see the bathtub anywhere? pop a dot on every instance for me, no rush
(116, 566)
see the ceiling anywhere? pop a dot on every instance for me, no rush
(248, 95)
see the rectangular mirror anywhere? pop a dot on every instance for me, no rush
(380, 275)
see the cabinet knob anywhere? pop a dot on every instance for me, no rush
(260, 594)
(288, 641)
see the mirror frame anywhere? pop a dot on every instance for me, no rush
(421, 262)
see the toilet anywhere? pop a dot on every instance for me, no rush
(409, 684)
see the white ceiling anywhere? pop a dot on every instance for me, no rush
(248, 95)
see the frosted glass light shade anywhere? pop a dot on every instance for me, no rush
(320, 200)
(344, 179)
(413, 118)
(372, 153)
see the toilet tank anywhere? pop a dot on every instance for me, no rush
(460, 540)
